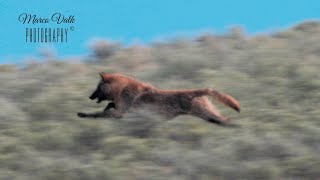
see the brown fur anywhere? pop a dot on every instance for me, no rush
(126, 92)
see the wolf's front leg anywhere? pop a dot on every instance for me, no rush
(110, 106)
(104, 114)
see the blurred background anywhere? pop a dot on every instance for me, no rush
(275, 78)
(274, 75)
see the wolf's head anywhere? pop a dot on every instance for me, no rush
(102, 91)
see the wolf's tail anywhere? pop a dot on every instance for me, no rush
(223, 98)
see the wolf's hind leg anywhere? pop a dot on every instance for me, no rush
(202, 108)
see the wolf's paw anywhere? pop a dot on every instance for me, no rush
(82, 115)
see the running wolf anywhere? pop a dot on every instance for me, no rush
(125, 92)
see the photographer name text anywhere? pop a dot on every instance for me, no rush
(53, 29)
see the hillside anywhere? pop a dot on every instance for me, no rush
(274, 76)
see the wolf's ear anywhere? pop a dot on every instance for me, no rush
(102, 76)
(105, 77)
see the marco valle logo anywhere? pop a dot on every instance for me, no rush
(53, 29)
